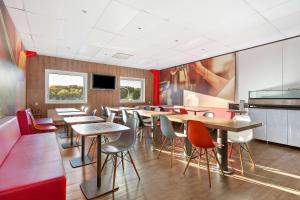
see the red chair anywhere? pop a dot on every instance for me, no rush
(182, 111)
(199, 136)
(41, 128)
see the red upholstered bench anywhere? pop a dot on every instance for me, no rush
(30, 165)
(25, 123)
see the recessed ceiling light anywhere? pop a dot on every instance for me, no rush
(203, 49)
(84, 11)
(176, 40)
(122, 56)
(140, 28)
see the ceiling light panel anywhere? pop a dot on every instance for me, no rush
(115, 17)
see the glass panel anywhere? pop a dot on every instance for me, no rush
(275, 94)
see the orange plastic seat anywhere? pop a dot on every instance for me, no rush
(41, 128)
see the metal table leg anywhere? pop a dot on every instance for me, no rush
(70, 144)
(100, 185)
(64, 134)
(223, 151)
(83, 159)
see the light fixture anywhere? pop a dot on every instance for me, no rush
(122, 56)
(83, 11)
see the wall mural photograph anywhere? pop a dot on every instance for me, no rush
(193, 84)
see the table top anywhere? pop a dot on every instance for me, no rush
(117, 109)
(67, 110)
(66, 114)
(196, 110)
(237, 111)
(83, 119)
(99, 128)
(148, 113)
(217, 123)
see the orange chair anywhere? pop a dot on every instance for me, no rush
(41, 128)
(182, 111)
(199, 136)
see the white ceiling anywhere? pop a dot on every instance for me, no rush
(157, 33)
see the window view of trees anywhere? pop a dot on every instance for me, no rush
(71, 92)
(131, 90)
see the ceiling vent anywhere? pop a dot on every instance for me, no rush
(122, 56)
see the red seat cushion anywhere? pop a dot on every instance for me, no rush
(45, 121)
(33, 170)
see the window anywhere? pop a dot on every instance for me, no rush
(65, 87)
(132, 89)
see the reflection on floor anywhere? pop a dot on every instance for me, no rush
(276, 175)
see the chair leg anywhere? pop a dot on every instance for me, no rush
(217, 159)
(122, 161)
(250, 154)
(241, 159)
(172, 152)
(134, 165)
(105, 161)
(188, 163)
(200, 155)
(162, 146)
(115, 169)
(208, 170)
(231, 147)
(93, 140)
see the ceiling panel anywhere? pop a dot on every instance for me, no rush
(116, 16)
(158, 33)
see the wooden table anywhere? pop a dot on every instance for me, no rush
(69, 114)
(58, 110)
(77, 120)
(119, 109)
(154, 115)
(195, 110)
(222, 125)
(100, 185)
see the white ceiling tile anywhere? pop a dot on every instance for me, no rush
(191, 44)
(19, 18)
(44, 26)
(99, 38)
(115, 17)
(265, 4)
(53, 8)
(27, 42)
(126, 45)
(289, 25)
(89, 50)
(83, 11)
(282, 10)
(14, 4)
(45, 44)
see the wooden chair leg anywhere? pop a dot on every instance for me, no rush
(122, 161)
(188, 163)
(115, 170)
(162, 146)
(134, 165)
(241, 159)
(231, 147)
(250, 154)
(105, 161)
(208, 170)
(217, 159)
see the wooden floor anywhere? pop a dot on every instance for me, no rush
(276, 176)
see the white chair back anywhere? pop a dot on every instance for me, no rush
(242, 136)
(112, 136)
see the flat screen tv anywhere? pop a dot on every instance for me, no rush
(103, 82)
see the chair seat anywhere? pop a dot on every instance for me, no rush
(239, 137)
(181, 135)
(45, 121)
(45, 128)
(114, 147)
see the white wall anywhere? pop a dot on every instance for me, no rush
(273, 66)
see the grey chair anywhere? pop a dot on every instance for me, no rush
(169, 133)
(157, 109)
(94, 112)
(124, 116)
(147, 107)
(142, 124)
(82, 108)
(86, 109)
(107, 137)
(121, 147)
(103, 112)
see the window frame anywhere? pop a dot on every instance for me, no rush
(61, 72)
(142, 99)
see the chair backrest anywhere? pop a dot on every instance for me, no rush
(138, 117)
(157, 109)
(209, 114)
(82, 108)
(24, 121)
(166, 127)
(245, 118)
(111, 117)
(124, 116)
(127, 138)
(183, 111)
(86, 109)
(32, 119)
(147, 107)
(94, 112)
(198, 134)
(107, 110)
(103, 111)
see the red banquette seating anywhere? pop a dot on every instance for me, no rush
(30, 165)
(26, 125)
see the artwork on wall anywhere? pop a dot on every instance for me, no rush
(212, 79)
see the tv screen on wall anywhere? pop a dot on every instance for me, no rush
(103, 82)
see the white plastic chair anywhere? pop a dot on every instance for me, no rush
(241, 138)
